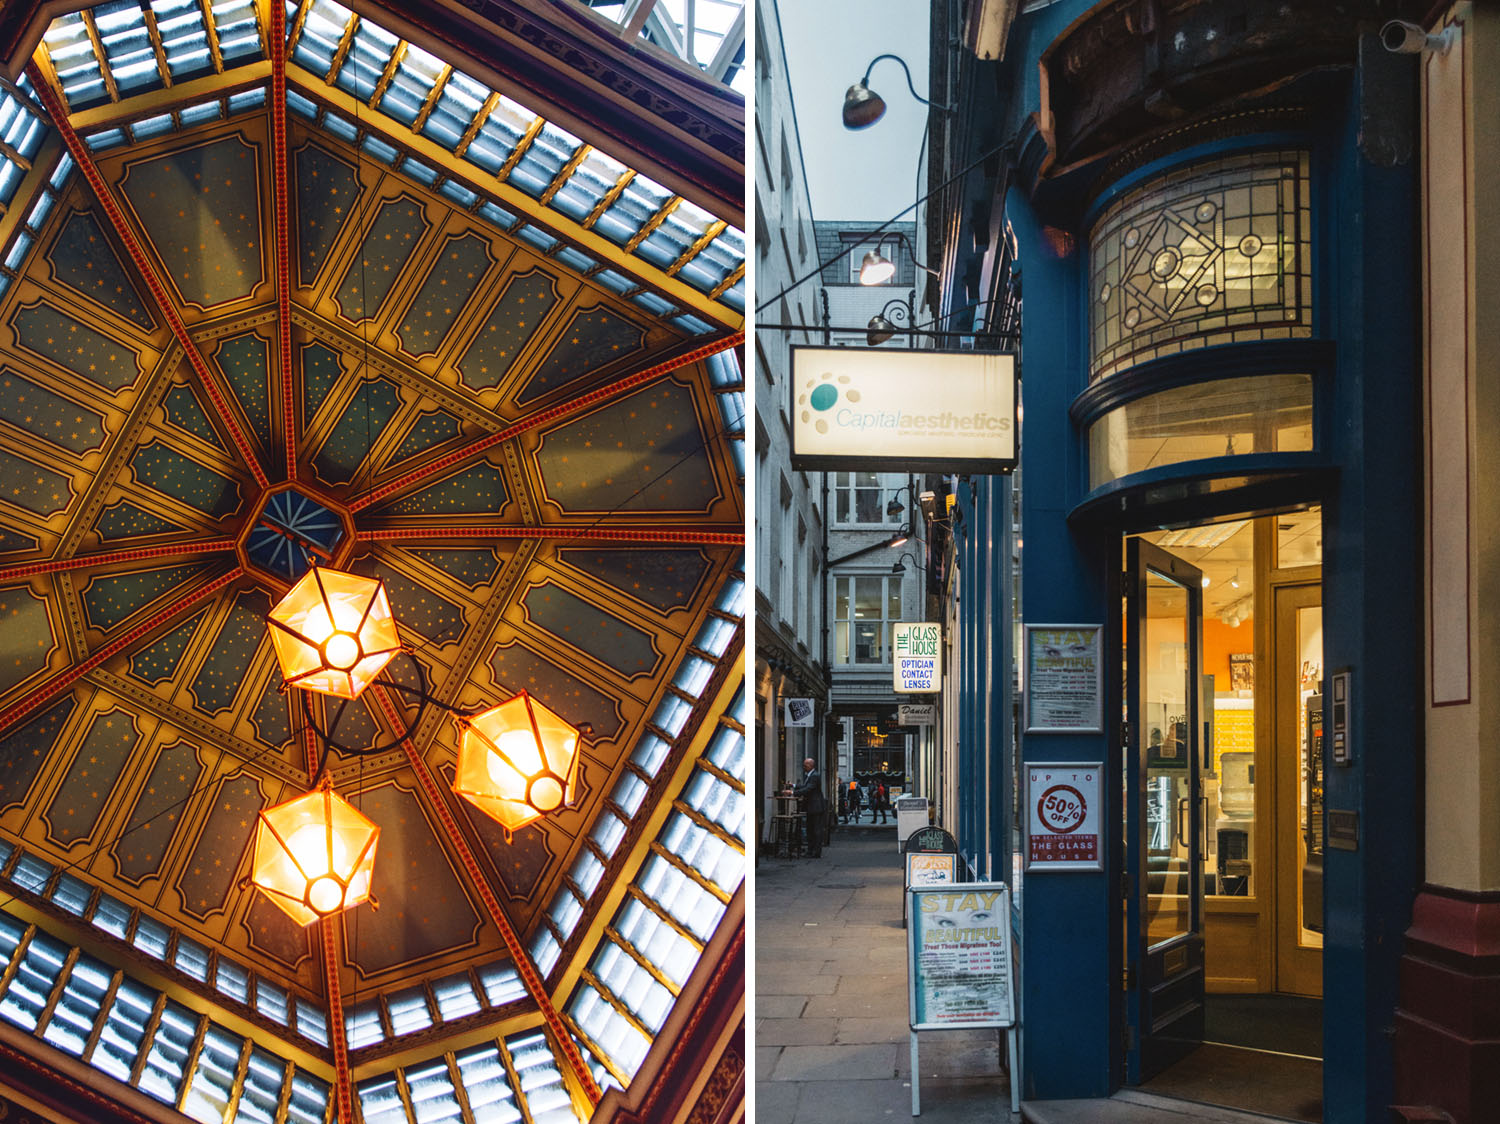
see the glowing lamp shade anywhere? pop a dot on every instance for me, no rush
(517, 762)
(334, 632)
(875, 268)
(314, 855)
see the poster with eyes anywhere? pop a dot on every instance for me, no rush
(958, 956)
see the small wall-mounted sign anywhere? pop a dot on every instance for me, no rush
(916, 714)
(1063, 816)
(1063, 679)
(1343, 829)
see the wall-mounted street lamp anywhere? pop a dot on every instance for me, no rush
(863, 106)
(887, 322)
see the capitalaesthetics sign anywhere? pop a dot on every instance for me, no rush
(909, 410)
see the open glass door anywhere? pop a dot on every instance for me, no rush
(1164, 813)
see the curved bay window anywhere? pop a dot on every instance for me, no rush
(1222, 417)
(1217, 252)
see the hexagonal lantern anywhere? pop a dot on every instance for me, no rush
(314, 855)
(334, 632)
(517, 762)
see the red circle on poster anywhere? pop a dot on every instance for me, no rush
(1061, 809)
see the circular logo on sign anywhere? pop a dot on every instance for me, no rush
(1061, 809)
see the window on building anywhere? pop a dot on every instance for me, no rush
(860, 498)
(864, 608)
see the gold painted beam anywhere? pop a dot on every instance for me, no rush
(375, 1061)
(154, 102)
(212, 30)
(92, 29)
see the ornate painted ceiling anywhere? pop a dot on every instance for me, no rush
(452, 298)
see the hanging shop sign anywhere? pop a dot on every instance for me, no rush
(1063, 688)
(797, 712)
(916, 714)
(918, 667)
(1064, 809)
(909, 411)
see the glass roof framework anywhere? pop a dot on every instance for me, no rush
(709, 34)
(522, 173)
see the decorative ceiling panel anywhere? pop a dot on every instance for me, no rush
(483, 365)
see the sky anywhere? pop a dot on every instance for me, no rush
(829, 43)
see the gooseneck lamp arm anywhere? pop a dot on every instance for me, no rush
(910, 85)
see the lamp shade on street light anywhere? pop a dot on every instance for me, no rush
(314, 855)
(876, 268)
(878, 330)
(862, 106)
(517, 762)
(333, 632)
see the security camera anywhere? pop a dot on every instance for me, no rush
(1404, 38)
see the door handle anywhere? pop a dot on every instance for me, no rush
(1182, 802)
(1203, 800)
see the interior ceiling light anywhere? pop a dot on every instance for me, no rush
(517, 762)
(1201, 538)
(875, 268)
(314, 855)
(334, 632)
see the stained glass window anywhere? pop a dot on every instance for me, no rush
(1219, 252)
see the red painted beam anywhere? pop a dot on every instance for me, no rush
(84, 561)
(518, 954)
(277, 42)
(546, 417)
(694, 536)
(343, 1098)
(80, 153)
(49, 690)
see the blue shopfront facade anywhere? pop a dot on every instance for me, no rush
(1209, 220)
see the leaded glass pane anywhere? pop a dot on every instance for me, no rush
(1218, 252)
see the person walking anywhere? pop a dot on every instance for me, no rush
(882, 802)
(856, 800)
(814, 806)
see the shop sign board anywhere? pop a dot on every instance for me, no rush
(798, 712)
(910, 411)
(1064, 815)
(918, 665)
(923, 869)
(1063, 682)
(911, 815)
(958, 956)
(916, 714)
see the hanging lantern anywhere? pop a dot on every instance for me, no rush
(334, 632)
(314, 855)
(517, 762)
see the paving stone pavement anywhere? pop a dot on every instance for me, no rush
(831, 1043)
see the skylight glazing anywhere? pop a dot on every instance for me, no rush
(674, 904)
(136, 1035)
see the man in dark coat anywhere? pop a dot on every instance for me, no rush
(810, 791)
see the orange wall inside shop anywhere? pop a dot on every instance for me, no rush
(1219, 640)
